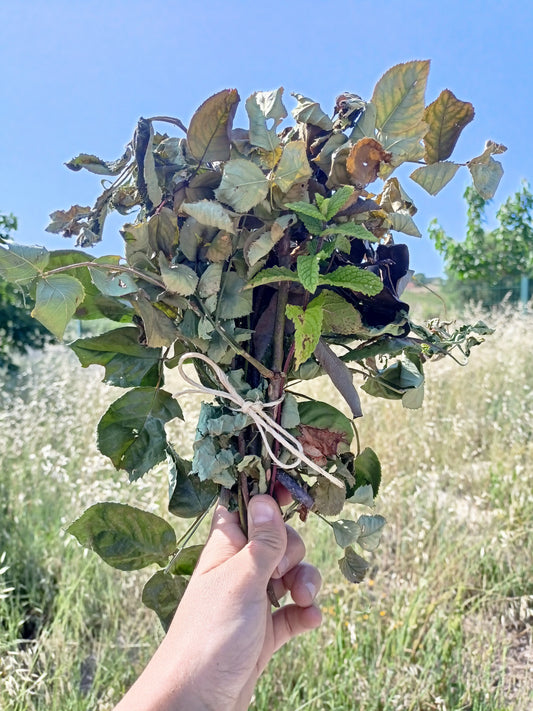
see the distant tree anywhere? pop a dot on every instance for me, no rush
(489, 263)
(18, 330)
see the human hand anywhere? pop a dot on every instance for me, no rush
(224, 631)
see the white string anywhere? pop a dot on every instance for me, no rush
(256, 412)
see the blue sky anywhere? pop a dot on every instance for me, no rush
(77, 75)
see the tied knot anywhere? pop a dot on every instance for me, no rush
(255, 409)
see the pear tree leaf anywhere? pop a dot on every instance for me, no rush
(371, 531)
(209, 134)
(290, 416)
(328, 498)
(366, 124)
(159, 329)
(263, 106)
(435, 176)
(20, 264)
(243, 185)
(307, 270)
(293, 166)
(127, 363)
(340, 375)
(209, 213)
(367, 472)
(309, 111)
(260, 247)
(186, 560)
(399, 99)
(56, 299)
(353, 566)
(132, 431)
(307, 328)
(177, 278)
(234, 301)
(111, 282)
(354, 278)
(349, 229)
(404, 223)
(363, 495)
(162, 594)
(324, 416)
(188, 496)
(446, 117)
(346, 532)
(209, 283)
(96, 165)
(124, 537)
(487, 172)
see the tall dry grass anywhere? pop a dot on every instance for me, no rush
(442, 623)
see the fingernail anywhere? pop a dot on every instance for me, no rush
(261, 512)
(312, 589)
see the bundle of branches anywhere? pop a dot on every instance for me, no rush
(262, 257)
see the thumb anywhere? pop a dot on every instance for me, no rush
(267, 536)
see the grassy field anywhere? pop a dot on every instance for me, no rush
(443, 622)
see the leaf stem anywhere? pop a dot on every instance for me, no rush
(189, 533)
(110, 267)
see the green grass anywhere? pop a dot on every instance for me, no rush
(442, 623)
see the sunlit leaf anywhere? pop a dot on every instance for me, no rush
(111, 282)
(178, 278)
(209, 132)
(293, 166)
(367, 472)
(349, 229)
(307, 270)
(354, 278)
(404, 223)
(20, 264)
(446, 117)
(309, 111)
(125, 537)
(399, 99)
(101, 167)
(366, 124)
(186, 560)
(305, 208)
(263, 106)
(332, 205)
(243, 185)
(307, 328)
(56, 299)
(209, 283)
(271, 276)
(435, 176)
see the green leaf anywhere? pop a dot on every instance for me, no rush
(311, 224)
(188, 496)
(307, 329)
(132, 432)
(339, 315)
(210, 213)
(331, 206)
(234, 302)
(363, 495)
(153, 188)
(399, 99)
(111, 282)
(186, 560)
(127, 363)
(346, 532)
(272, 275)
(293, 166)
(403, 223)
(209, 132)
(177, 278)
(349, 229)
(354, 278)
(324, 416)
(309, 111)
(56, 299)
(305, 208)
(446, 117)
(324, 158)
(243, 185)
(162, 594)
(125, 537)
(435, 176)
(367, 472)
(263, 106)
(307, 270)
(371, 531)
(20, 264)
(290, 416)
(353, 566)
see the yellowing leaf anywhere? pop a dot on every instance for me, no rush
(307, 329)
(446, 118)
(435, 176)
(243, 185)
(293, 166)
(399, 99)
(209, 132)
(364, 160)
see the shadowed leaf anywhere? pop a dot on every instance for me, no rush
(353, 566)
(446, 118)
(209, 132)
(162, 594)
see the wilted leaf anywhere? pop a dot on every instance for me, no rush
(132, 433)
(307, 329)
(340, 375)
(56, 299)
(324, 158)
(221, 248)
(177, 278)
(346, 532)
(125, 537)
(162, 594)
(188, 496)
(234, 301)
(399, 99)
(101, 167)
(364, 160)
(371, 531)
(159, 329)
(328, 498)
(243, 185)
(127, 363)
(435, 176)
(20, 264)
(209, 283)
(309, 111)
(209, 132)
(324, 416)
(487, 172)
(210, 213)
(366, 124)
(320, 444)
(263, 106)
(293, 166)
(446, 117)
(354, 278)
(353, 566)
(66, 221)
(404, 223)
